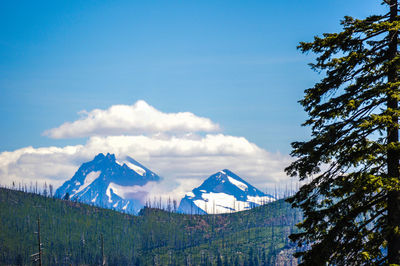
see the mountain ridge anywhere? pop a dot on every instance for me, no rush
(223, 192)
(118, 184)
(110, 183)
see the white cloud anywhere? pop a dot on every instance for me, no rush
(183, 162)
(49, 164)
(166, 143)
(138, 118)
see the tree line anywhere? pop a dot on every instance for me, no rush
(71, 234)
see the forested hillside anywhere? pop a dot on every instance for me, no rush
(71, 234)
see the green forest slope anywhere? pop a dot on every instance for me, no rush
(71, 234)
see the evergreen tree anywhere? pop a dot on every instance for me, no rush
(226, 261)
(351, 202)
(66, 197)
(236, 261)
(219, 261)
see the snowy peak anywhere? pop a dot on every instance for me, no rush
(109, 183)
(228, 182)
(223, 192)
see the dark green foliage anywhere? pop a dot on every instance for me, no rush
(66, 197)
(71, 234)
(351, 202)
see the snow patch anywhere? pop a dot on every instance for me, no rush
(95, 198)
(237, 183)
(190, 194)
(88, 180)
(108, 193)
(136, 168)
(216, 203)
(139, 170)
(126, 205)
(260, 200)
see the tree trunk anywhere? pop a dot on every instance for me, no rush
(392, 154)
(39, 243)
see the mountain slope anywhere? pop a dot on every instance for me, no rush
(109, 183)
(223, 192)
(71, 234)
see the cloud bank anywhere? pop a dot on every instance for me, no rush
(133, 119)
(183, 160)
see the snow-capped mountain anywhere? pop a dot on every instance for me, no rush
(109, 183)
(223, 192)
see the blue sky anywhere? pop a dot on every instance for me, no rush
(234, 62)
(135, 66)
